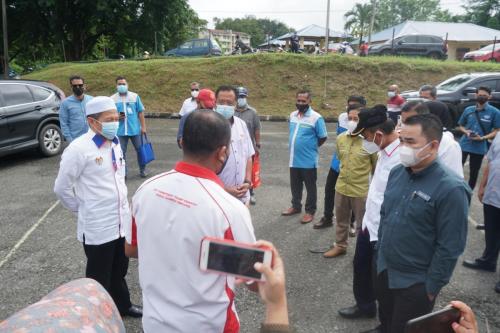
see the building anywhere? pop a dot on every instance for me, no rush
(461, 37)
(226, 38)
(314, 33)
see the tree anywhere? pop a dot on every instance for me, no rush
(480, 11)
(358, 20)
(493, 23)
(39, 29)
(258, 29)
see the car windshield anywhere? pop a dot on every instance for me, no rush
(455, 82)
(490, 48)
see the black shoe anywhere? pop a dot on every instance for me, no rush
(480, 227)
(143, 174)
(377, 329)
(480, 265)
(354, 312)
(323, 223)
(135, 311)
(497, 287)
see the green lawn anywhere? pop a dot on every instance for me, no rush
(272, 79)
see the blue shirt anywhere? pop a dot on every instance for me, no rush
(72, 117)
(305, 131)
(131, 105)
(423, 226)
(490, 119)
(335, 165)
(492, 190)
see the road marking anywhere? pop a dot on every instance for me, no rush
(28, 233)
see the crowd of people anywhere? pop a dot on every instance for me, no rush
(396, 183)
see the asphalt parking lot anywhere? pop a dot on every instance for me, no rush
(50, 255)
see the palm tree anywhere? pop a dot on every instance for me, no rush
(358, 19)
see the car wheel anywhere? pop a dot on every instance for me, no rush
(386, 53)
(434, 55)
(50, 140)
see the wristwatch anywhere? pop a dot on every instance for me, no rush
(246, 181)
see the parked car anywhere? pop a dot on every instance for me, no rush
(413, 45)
(455, 91)
(336, 48)
(484, 54)
(29, 117)
(471, 100)
(196, 47)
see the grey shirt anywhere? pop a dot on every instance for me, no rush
(492, 190)
(251, 118)
(423, 226)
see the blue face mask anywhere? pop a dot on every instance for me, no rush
(242, 102)
(109, 129)
(227, 111)
(122, 88)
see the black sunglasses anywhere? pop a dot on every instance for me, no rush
(77, 85)
(195, 89)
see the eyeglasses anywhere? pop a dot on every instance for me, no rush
(195, 89)
(77, 85)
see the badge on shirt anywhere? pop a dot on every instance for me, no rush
(98, 160)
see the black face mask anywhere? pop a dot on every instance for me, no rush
(482, 99)
(78, 91)
(302, 107)
(223, 165)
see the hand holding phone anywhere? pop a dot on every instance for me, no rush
(232, 258)
(436, 322)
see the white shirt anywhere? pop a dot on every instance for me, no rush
(450, 153)
(91, 183)
(388, 158)
(240, 150)
(173, 212)
(188, 106)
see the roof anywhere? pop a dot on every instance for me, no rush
(315, 31)
(220, 31)
(460, 32)
(276, 41)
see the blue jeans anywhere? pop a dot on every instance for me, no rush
(136, 141)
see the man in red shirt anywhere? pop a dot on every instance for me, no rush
(394, 103)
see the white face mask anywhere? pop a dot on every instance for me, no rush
(391, 94)
(351, 125)
(409, 156)
(370, 146)
(194, 93)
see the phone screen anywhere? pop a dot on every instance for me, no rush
(436, 322)
(234, 260)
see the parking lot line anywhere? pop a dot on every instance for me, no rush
(27, 234)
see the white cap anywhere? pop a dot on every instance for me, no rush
(99, 104)
(343, 119)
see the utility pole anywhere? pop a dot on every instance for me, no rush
(372, 21)
(156, 45)
(5, 43)
(327, 31)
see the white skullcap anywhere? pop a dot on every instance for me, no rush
(99, 104)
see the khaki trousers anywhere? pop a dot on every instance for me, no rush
(344, 205)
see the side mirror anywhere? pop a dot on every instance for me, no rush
(400, 42)
(469, 90)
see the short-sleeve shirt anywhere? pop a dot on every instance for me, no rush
(490, 119)
(131, 105)
(395, 103)
(172, 213)
(492, 190)
(188, 105)
(305, 131)
(251, 118)
(240, 150)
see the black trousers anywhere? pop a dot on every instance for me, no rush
(299, 177)
(491, 234)
(475, 161)
(362, 284)
(394, 116)
(108, 265)
(331, 181)
(398, 306)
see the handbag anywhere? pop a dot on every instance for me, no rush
(146, 153)
(488, 143)
(256, 181)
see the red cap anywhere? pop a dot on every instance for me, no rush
(207, 96)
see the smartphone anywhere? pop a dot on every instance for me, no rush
(435, 322)
(473, 134)
(233, 258)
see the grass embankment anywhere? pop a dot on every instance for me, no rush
(272, 79)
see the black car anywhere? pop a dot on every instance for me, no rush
(29, 117)
(412, 45)
(455, 91)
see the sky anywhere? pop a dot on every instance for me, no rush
(295, 13)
